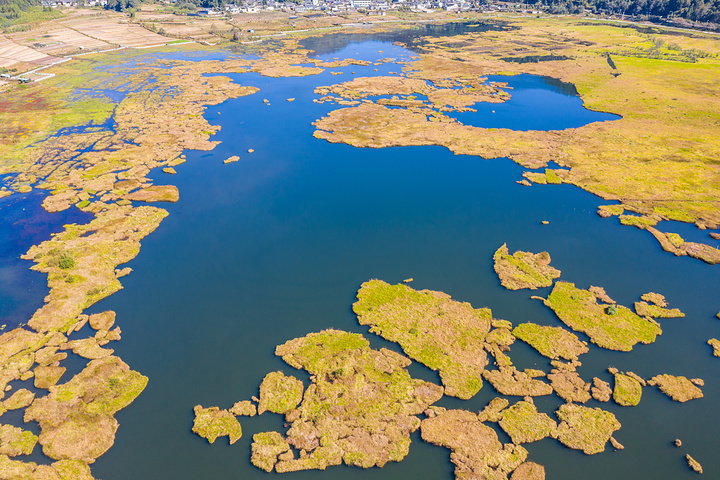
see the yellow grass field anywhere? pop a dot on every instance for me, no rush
(79, 32)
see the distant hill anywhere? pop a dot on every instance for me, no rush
(14, 13)
(9, 8)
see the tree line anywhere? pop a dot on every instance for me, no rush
(692, 10)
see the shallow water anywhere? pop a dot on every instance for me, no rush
(25, 223)
(275, 246)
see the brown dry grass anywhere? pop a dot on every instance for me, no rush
(525, 425)
(586, 429)
(678, 388)
(476, 450)
(569, 385)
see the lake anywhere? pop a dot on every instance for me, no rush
(275, 246)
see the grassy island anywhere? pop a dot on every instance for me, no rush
(586, 429)
(678, 388)
(628, 390)
(446, 335)
(211, 423)
(359, 409)
(524, 269)
(476, 449)
(608, 326)
(362, 405)
(551, 342)
(279, 394)
(525, 424)
(77, 418)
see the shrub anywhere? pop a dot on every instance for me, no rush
(66, 261)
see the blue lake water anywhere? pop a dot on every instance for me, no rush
(24, 224)
(275, 246)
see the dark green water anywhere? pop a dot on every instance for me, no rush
(276, 245)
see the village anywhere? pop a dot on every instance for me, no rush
(332, 7)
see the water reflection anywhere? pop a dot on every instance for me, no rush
(410, 36)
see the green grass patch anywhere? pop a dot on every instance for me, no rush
(627, 391)
(430, 327)
(524, 269)
(638, 221)
(579, 310)
(551, 342)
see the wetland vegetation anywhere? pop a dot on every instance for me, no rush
(84, 149)
(361, 403)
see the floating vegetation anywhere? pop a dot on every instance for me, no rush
(701, 251)
(646, 310)
(493, 411)
(579, 310)
(654, 298)
(63, 469)
(244, 408)
(627, 391)
(672, 242)
(525, 425)
(535, 177)
(607, 211)
(77, 418)
(524, 269)
(640, 222)
(266, 448)
(601, 294)
(678, 388)
(441, 333)
(551, 342)
(98, 249)
(586, 429)
(601, 390)
(15, 441)
(359, 409)
(87, 348)
(694, 464)
(361, 405)
(528, 471)
(102, 321)
(155, 193)
(443, 99)
(508, 380)
(476, 450)
(20, 399)
(552, 176)
(715, 344)
(211, 423)
(47, 376)
(152, 134)
(568, 385)
(279, 394)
